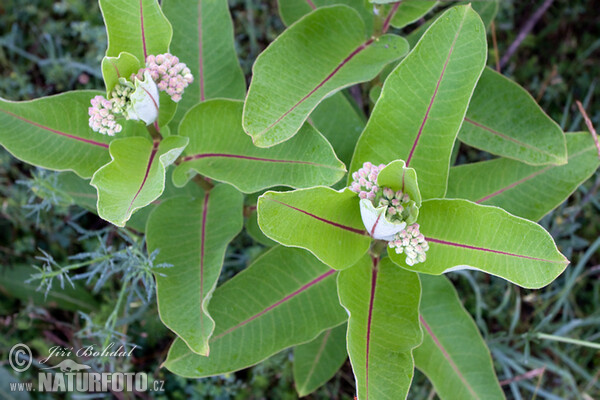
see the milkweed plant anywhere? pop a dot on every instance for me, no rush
(368, 213)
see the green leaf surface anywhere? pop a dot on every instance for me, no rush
(320, 54)
(397, 176)
(410, 11)
(79, 191)
(340, 122)
(516, 187)
(13, 284)
(505, 120)
(138, 27)
(291, 11)
(321, 220)
(192, 235)
(382, 301)
(221, 150)
(317, 361)
(487, 10)
(285, 298)
(122, 66)
(254, 231)
(453, 354)
(424, 101)
(135, 177)
(462, 234)
(203, 40)
(38, 133)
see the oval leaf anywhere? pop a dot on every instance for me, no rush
(317, 361)
(38, 133)
(323, 52)
(266, 308)
(291, 11)
(305, 218)
(192, 235)
(203, 40)
(410, 11)
(340, 122)
(137, 27)
(135, 177)
(513, 186)
(462, 234)
(114, 68)
(453, 354)
(424, 100)
(382, 301)
(505, 120)
(220, 150)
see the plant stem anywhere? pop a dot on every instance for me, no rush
(154, 131)
(203, 182)
(563, 339)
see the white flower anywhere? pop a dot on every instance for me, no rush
(144, 101)
(378, 226)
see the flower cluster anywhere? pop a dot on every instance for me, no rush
(396, 203)
(137, 98)
(102, 117)
(411, 242)
(365, 181)
(170, 75)
(397, 209)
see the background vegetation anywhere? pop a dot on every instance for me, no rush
(48, 47)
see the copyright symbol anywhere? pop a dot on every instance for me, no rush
(20, 357)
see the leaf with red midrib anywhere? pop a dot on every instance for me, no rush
(203, 39)
(453, 354)
(318, 55)
(509, 184)
(263, 310)
(150, 35)
(37, 132)
(424, 101)
(462, 234)
(382, 301)
(135, 177)
(220, 150)
(306, 217)
(192, 235)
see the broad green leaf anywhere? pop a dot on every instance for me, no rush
(505, 120)
(516, 187)
(13, 283)
(321, 53)
(136, 27)
(487, 10)
(466, 235)
(38, 133)
(221, 150)
(317, 361)
(397, 176)
(291, 11)
(410, 11)
(192, 235)
(340, 122)
(321, 220)
(254, 231)
(286, 297)
(79, 191)
(135, 177)
(453, 354)
(203, 40)
(382, 301)
(122, 66)
(424, 101)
